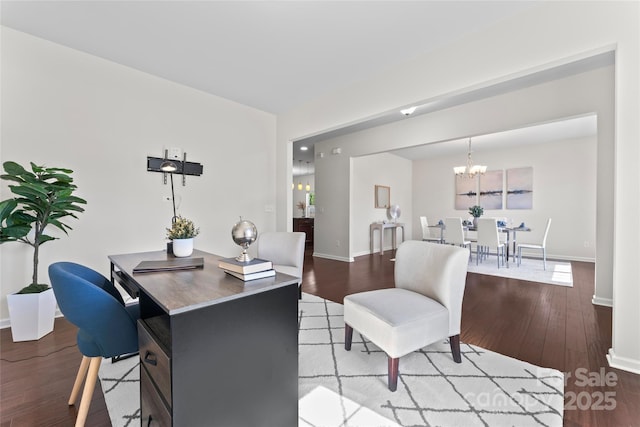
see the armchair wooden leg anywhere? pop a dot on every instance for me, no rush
(393, 372)
(454, 342)
(82, 373)
(348, 336)
(87, 393)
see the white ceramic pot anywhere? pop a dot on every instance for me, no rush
(31, 315)
(182, 247)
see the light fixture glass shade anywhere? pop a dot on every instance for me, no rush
(308, 187)
(168, 166)
(299, 185)
(459, 170)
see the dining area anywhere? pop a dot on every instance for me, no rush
(486, 237)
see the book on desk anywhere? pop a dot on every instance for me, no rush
(252, 276)
(245, 267)
(170, 264)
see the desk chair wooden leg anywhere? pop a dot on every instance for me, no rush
(454, 342)
(82, 373)
(393, 363)
(87, 393)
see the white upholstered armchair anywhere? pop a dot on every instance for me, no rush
(285, 250)
(424, 306)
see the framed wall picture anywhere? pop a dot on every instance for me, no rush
(382, 196)
(491, 190)
(520, 188)
(466, 192)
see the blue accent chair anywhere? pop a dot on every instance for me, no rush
(106, 327)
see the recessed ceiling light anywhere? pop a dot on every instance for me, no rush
(408, 111)
(303, 148)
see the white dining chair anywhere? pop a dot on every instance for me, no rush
(488, 239)
(542, 246)
(455, 233)
(427, 235)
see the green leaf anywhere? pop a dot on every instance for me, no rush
(6, 207)
(44, 238)
(12, 168)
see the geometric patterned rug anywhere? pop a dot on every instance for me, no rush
(349, 388)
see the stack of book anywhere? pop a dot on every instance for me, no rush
(247, 270)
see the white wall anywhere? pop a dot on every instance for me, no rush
(61, 107)
(564, 189)
(501, 53)
(367, 172)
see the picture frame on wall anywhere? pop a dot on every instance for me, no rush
(466, 192)
(491, 189)
(520, 188)
(382, 196)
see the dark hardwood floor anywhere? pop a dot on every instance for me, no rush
(545, 325)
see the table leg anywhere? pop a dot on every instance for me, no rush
(382, 240)
(371, 234)
(508, 232)
(394, 231)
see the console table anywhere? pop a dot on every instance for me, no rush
(214, 350)
(381, 226)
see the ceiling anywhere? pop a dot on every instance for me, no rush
(270, 55)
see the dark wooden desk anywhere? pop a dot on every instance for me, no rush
(214, 350)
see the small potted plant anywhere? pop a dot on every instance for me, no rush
(44, 196)
(182, 232)
(476, 212)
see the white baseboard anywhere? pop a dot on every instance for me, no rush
(606, 302)
(623, 363)
(333, 257)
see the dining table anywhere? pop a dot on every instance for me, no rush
(510, 231)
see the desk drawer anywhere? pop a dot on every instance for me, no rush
(155, 360)
(152, 410)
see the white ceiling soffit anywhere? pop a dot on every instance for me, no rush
(572, 128)
(447, 101)
(270, 55)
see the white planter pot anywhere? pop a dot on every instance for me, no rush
(182, 247)
(31, 315)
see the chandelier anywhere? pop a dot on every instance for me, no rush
(470, 170)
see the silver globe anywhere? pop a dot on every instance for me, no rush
(244, 233)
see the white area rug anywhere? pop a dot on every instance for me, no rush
(120, 383)
(349, 388)
(532, 270)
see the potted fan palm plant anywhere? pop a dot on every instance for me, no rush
(43, 197)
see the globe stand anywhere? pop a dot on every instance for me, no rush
(244, 256)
